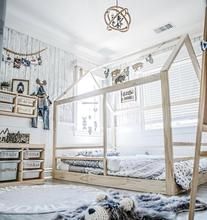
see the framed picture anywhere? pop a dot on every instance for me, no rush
(128, 95)
(20, 86)
(18, 138)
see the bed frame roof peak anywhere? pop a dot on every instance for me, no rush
(178, 42)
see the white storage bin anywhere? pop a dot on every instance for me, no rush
(25, 101)
(5, 97)
(25, 110)
(32, 164)
(8, 170)
(6, 107)
(9, 154)
(32, 154)
(31, 174)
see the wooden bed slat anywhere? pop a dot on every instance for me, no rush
(134, 184)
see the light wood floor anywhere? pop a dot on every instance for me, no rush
(202, 194)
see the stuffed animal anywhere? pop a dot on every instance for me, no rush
(122, 77)
(137, 66)
(106, 207)
(41, 93)
(203, 45)
(110, 209)
(43, 105)
(41, 90)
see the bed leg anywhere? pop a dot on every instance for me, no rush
(169, 163)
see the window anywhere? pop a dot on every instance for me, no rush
(87, 111)
(184, 96)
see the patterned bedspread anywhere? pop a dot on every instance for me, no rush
(144, 167)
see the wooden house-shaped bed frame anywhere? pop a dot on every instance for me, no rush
(167, 186)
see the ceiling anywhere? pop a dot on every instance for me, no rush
(78, 25)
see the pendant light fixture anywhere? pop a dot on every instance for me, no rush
(117, 18)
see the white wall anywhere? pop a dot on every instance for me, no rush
(37, 136)
(57, 69)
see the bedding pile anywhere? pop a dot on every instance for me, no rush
(149, 167)
(139, 166)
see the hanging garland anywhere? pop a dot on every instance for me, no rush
(23, 59)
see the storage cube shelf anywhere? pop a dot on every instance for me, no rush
(9, 154)
(8, 170)
(32, 164)
(21, 164)
(31, 174)
(25, 101)
(25, 110)
(32, 154)
(18, 105)
(6, 97)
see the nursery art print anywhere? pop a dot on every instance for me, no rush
(20, 86)
(128, 95)
(7, 137)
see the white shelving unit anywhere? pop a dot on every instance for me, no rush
(21, 164)
(17, 105)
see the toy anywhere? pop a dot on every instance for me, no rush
(106, 73)
(203, 45)
(116, 206)
(137, 66)
(43, 104)
(149, 59)
(25, 62)
(110, 209)
(123, 76)
(17, 63)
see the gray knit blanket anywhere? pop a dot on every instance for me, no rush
(145, 207)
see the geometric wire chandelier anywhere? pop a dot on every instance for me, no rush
(117, 18)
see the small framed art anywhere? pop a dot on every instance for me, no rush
(128, 95)
(20, 86)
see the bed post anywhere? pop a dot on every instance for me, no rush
(171, 186)
(168, 142)
(54, 137)
(104, 132)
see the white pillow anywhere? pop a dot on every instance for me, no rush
(113, 164)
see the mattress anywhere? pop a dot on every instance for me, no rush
(139, 166)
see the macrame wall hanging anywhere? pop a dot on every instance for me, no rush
(22, 59)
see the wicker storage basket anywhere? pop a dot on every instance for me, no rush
(25, 110)
(8, 170)
(4, 97)
(6, 107)
(31, 174)
(32, 154)
(25, 101)
(9, 154)
(32, 164)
